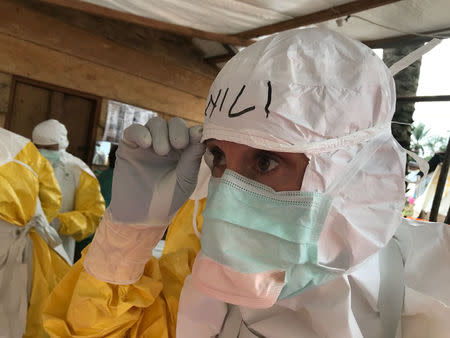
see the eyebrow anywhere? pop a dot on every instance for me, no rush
(273, 154)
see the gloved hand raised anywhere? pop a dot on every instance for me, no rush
(156, 171)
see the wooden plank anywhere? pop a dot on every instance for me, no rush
(147, 22)
(29, 107)
(223, 57)
(396, 42)
(82, 141)
(423, 98)
(173, 48)
(40, 63)
(317, 17)
(56, 104)
(403, 40)
(23, 23)
(219, 58)
(392, 42)
(5, 86)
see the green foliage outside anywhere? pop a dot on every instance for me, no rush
(424, 144)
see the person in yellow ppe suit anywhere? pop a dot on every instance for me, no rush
(301, 233)
(82, 202)
(30, 265)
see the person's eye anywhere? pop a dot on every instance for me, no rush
(218, 156)
(265, 163)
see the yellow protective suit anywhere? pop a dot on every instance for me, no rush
(82, 305)
(81, 215)
(19, 192)
(16, 185)
(82, 203)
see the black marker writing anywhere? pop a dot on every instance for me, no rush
(214, 103)
(269, 98)
(209, 102)
(246, 110)
(223, 100)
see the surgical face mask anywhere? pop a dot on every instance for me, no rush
(53, 156)
(259, 245)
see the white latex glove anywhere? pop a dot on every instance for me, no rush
(156, 171)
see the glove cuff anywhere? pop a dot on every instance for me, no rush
(119, 251)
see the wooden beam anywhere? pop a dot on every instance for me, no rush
(402, 40)
(30, 60)
(423, 98)
(26, 24)
(223, 57)
(391, 42)
(147, 22)
(219, 58)
(317, 17)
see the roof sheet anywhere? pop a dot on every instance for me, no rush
(234, 16)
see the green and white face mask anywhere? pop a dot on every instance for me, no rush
(53, 156)
(259, 245)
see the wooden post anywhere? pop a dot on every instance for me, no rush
(447, 219)
(440, 185)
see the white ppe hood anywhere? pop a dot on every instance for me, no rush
(50, 132)
(316, 92)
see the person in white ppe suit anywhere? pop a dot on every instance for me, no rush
(82, 203)
(301, 234)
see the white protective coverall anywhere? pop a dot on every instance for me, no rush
(29, 268)
(310, 91)
(82, 202)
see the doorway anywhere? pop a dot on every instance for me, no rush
(32, 102)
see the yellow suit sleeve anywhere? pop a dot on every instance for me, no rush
(84, 306)
(49, 192)
(89, 207)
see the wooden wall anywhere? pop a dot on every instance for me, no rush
(5, 86)
(113, 60)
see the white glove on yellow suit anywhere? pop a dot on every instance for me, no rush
(155, 173)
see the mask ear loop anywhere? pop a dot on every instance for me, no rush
(399, 66)
(209, 160)
(360, 159)
(194, 218)
(423, 166)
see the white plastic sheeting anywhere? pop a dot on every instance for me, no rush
(234, 16)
